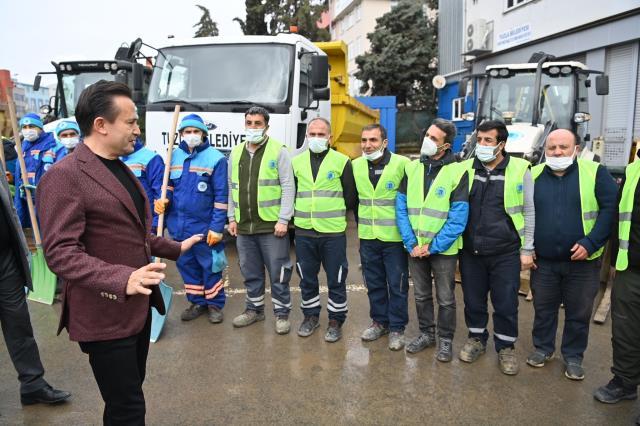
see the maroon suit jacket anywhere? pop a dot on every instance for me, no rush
(93, 239)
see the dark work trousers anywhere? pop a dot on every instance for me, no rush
(439, 270)
(331, 252)
(18, 335)
(497, 277)
(385, 273)
(625, 324)
(574, 283)
(119, 367)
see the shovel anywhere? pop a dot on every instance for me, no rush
(44, 281)
(158, 320)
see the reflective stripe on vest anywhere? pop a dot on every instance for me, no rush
(429, 214)
(269, 190)
(320, 203)
(513, 190)
(632, 175)
(587, 171)
(376, 211)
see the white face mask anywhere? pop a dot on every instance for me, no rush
(192, 140)
(318, 145)
(30, 134)
(558, 164)
(254, 135)
(429, 147)
(375, 155)
(71, 142)
(486, 153)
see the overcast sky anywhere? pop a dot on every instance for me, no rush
(35, 32)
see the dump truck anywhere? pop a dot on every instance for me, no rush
(534, 99)
(219, 78)
(73, 76)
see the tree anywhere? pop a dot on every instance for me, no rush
(403, 56)
(270, 17)
(207, 27)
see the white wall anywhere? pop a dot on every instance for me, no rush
(539, 18)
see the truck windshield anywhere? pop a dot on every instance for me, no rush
(74, 84)
(514, 95)
(223, 74)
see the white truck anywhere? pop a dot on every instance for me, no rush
(219, 78)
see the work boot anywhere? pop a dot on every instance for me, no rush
(472, 350)
(445, 349)
(573, 370)
(308, 326)
(215, 315)
(283, 326)
(248, 317)
(193, 312)
(508, 361)
(615, 391)
(538, 359)
(396, 340)
(334, 331)
(420, 343)
(374, 332)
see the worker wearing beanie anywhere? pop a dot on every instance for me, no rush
(38, 148)
(67, 135)
(196, 203)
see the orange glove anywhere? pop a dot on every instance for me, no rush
(213, 238)
(160, 206)
(9, 177)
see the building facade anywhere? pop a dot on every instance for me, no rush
(351, 21)
(510, 31)
(33, 100)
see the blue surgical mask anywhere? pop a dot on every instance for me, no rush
(254, 135)
(318, 145)
(486, 154)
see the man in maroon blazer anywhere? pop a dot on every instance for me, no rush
(96, 225)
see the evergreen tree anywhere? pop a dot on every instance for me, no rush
(206, 27)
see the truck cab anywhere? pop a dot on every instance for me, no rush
(219, 78)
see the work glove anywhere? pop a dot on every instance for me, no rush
(160, 206)
(9, 177)
(30, 187)
(213, 238)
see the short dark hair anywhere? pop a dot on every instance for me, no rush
(383, 131)
(447, 127)
(324, 120)
(97, 101)
(258, 110)
(497, 125)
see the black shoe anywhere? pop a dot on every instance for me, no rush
(334, 332)
(193, 312)
(46, 395)
(308, 326)
(445, 350)
(615, 391)
(423, 341)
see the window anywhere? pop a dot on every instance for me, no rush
(457, 108)
(512, 4)
(306, 88)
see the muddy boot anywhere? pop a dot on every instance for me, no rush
(283, 326)
(334, 332)
(422, 342)
(374, 332)
(248, 317)
(445, 349)
(193, 312)
(472, 350)
(215, 315)
(508, 361)
(308, 326)
(396, 340)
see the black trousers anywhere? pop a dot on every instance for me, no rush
(18, 335)
(625, 324)
(119, 367)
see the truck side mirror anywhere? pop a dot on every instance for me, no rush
(36, 83)
(321, 94)
(602, 84)
(319, 71)
(137, 81)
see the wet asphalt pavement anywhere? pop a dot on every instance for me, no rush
(202, 374)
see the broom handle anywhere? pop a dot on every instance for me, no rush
(23, 169)
(167, 165)
(4, 164)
